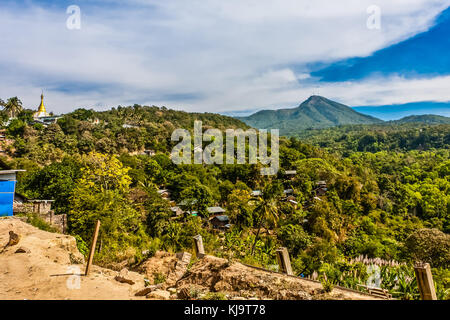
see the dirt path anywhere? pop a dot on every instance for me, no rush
(49, 266)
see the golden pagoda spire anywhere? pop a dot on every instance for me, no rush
(41, 106)
(41, 110)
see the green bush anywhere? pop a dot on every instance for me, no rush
(40, 223)
(158, 278)
(81, 245)
(215, 296)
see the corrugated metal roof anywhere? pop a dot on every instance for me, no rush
(221, 218)
(215, 210)
(11, 171)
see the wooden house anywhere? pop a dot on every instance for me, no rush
(221, 222)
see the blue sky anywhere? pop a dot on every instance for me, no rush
(395, 112)
(423, 55)
(226, 56)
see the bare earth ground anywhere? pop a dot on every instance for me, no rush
(48, 268)
(45, 271)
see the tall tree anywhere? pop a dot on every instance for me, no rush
(12, 107)
(101, 194)
(267, 208)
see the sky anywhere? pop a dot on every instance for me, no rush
(233, 56)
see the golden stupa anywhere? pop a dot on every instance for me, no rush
(41, 113)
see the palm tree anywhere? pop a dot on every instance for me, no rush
(12, 107)
(2, 104)
(266, 209)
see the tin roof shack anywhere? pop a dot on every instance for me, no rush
(176, 211)
(321, 188)
(149, 153)
(290, 174)
(256, 193)
(221, 222)
(215, 210)
(293, 203)
(8, 182)
(164, 193)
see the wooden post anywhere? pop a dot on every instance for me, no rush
(199, 250)
(283, 261)
(425, 281)
(92, 251)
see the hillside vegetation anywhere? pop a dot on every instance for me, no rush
(390, 203)
(373, 138)
(427, 118)
(119, 130)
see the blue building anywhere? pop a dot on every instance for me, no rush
(7, 189)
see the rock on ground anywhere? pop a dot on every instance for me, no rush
(169, 267)
(159, 295)
(212, 274)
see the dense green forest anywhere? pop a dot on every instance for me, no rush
(387, 193)
(380, 137)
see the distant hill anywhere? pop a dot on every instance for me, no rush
(129, 129)
(426, 118)
(392, 136)
(398, 111)
(315, 113)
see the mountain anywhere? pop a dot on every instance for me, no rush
(398, 111)
(426, 119)
(316, 112)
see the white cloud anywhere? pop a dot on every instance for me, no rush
(369, 92)
(226, 55)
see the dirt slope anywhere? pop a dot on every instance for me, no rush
(46, 269)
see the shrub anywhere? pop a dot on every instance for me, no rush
(40, 223)
(81, 245)
(158, 278)
(215, 296)
(429, 245)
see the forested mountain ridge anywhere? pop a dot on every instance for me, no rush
(426, 118)
(316, 112)
(380, 137)
(122, 129)
(319, 113)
